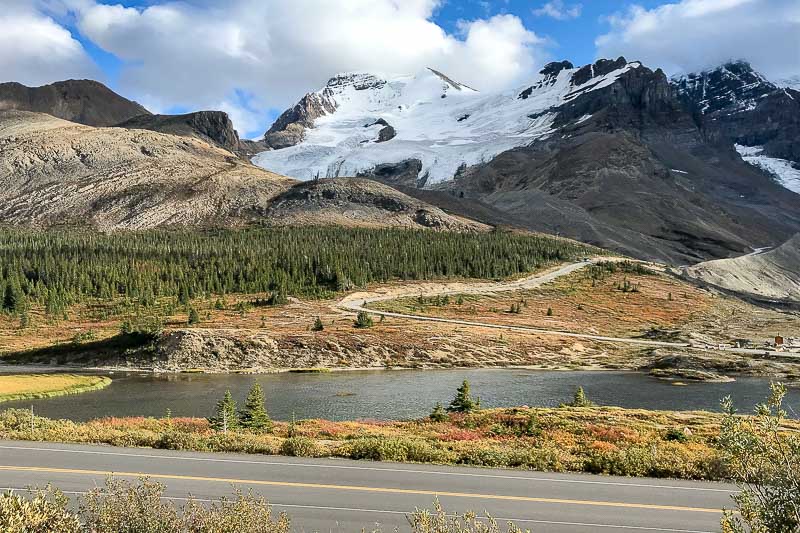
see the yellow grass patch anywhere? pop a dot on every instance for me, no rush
(25, 386)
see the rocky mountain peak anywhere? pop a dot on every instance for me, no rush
(730, 88)
(601, 67)
(87, 102)
(360, 81)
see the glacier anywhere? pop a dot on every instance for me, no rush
(443, 124)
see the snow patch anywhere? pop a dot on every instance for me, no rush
(678, 171)
(783, 170)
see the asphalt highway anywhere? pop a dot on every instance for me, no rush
(345, 496)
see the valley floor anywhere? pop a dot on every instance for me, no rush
(671, 325)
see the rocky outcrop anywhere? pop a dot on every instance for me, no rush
(214, 127)
(405, 173)
(290, 126)
(359, 202)
(83, 101)
(224, 350)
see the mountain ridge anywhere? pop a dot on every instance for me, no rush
(615, 144)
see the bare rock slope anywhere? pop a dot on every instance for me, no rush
(84, 101)
(360, 202)
(54, 172)
(773, 275)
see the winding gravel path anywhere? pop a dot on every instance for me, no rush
(356, 302)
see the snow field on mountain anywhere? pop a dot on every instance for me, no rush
(444, 126)
(783, 170)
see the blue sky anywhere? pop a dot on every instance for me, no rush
(254, 58)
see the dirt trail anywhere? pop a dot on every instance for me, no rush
(355, 302)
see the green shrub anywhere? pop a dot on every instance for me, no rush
(396, 449)
(180, 440)
(363, 320)
(484, 456)
(299, 446)
(676, 435)
(438, 414)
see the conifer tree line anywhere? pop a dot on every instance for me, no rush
(58, 268)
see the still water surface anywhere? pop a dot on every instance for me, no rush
(393, 394)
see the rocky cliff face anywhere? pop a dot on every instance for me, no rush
(735, 104)
(214, 127)
(82, 101)
(289, 127)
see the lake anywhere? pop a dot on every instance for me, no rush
(393, 394)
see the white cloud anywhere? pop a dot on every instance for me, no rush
(694, 34)
(35, 50)
(558, 10)
(195, 54)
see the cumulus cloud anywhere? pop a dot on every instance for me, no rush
(691, 35)
(193, 54)
(35, 49)
(558, 10)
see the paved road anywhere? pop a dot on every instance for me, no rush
(346, 496)
(358, 302)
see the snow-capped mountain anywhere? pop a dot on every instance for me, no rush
(732, 88)
(359, 122)
(612, 153)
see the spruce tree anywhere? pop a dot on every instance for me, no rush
(11, 299)
(254, 415)
(318, 325)
(438, 414)
(463, 402)
(194, 317)
(225, 417)
(580, 399)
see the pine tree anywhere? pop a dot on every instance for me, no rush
(225, 417)
(194, 317)
(254, 415)
(549, 311)
(463, 402)
(438, 414)
(318, 325)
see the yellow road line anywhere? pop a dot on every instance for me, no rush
(291, 484)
